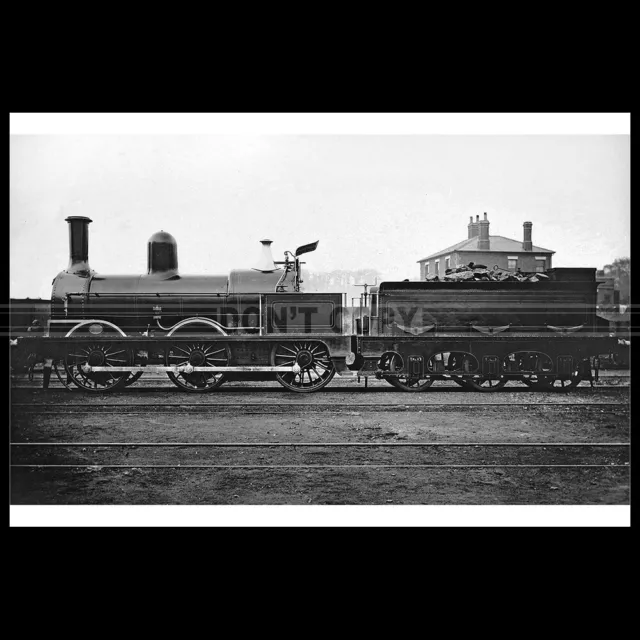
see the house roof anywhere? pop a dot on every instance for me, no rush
(496, 243)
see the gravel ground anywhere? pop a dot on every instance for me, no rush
(234, 446)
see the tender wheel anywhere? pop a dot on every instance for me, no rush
(316, 367)
(384, 364)
(535, 382)
(487, 385)
(406, 382)
(197, 354)
(98, 354)
(550, 383)
(454, 362)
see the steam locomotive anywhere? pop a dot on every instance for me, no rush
(105, 331)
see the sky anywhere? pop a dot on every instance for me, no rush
(380, 201)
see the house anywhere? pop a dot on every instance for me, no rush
(608, 294)
(614, 287)
(482, 248)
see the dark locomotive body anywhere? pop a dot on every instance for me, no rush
(481, 334)
(566, 299)
(107, 330)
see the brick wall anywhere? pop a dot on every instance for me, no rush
(526, 261)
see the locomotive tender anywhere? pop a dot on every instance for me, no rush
(105, 331)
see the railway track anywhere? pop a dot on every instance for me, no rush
(266, 447)
(248, 408)
(159, 385)
(154, 382)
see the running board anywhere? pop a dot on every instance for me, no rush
(188, 369)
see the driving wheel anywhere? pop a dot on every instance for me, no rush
(316, 368)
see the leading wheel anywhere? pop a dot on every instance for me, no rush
(316, 367)
(91, 352)
(102, 354)
(197, 354)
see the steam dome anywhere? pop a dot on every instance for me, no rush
(162, 256)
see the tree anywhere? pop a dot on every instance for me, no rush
(620, 270)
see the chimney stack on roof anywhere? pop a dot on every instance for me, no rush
(472, 227)
(483, 240)
(527, 245)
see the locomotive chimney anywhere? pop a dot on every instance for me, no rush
(472, 228)
(483, 240)
(265, 263)
(527, 245)
(78, 245)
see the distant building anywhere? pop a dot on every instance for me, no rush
(614, 285)
(608, 294)
(482, 248)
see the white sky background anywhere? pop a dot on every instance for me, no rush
(373, 201)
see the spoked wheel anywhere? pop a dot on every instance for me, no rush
(385, 363)
(98, 354)
(316, 367)
(131, 379)
(197, 354)
(91, 352)
(480, 383)
(454, 362)
(407, 382)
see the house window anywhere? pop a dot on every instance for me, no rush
(437, 267)
(426, 268)
(447, 262)
(512, 263)
(541, 263)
